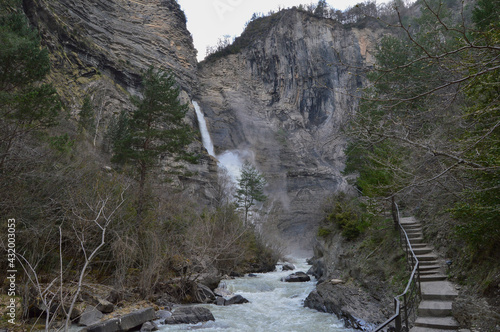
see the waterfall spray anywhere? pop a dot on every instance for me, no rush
(231, 160)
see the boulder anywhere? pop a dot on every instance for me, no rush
(222, 290)
(148, 327)
(349, 303)
(288, 267)
(220, 301)
(204, 294)
(102, 305)
(124, 323)
(163, 314)
(237, 299)
(189, 315)
(297, 277)
(90, 316)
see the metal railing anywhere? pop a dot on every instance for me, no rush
(405, 304)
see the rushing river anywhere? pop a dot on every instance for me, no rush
(274, 306)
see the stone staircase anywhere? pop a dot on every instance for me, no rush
(435, 309)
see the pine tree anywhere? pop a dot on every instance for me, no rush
(250, 188)
(156, 128)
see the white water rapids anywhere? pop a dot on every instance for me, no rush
(274, 306)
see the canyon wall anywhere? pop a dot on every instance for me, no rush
(285, 97)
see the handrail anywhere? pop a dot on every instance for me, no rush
(407, 294)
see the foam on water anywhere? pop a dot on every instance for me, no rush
(274, 306)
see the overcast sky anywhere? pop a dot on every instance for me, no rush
(209, 20)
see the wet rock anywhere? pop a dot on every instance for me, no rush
(90, 316)
(317, 269)
(148, 327)
(163, 314)
(189, 315)
(220, 301)
(235, 274)
(237, 299)
(252, 275)
(136, 318)
(297, 277)
(123, 323)
(350, 304)
(222, 290)
(288, 267)
(204, 294)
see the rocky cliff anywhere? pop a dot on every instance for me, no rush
(285, 97)
(99, 49)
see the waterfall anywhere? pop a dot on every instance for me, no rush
(231, 160)
(205, 135)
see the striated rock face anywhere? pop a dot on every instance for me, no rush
(285, 97)
(119, 37)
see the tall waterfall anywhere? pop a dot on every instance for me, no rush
(205, 135)
(231, 160)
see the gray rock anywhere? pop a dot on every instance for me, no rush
(149, 326)
(220, 301)
(111, 325)
(189, 315)
(90, 316)
(162, 314)
(288, 267)
(222, 290)
(136, 318)
(102, 305)
(204, 294)
(348, 303)
(124, 323)
(297, 277)
(237, 299)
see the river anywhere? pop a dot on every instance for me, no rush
(274, 306)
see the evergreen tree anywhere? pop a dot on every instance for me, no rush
(156, 128)
(250, 188)
(26, 104)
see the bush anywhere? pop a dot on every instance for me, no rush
(349, 215)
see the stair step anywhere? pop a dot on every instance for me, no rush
(427, 263)
(434, 309)
(433, 277)
(416, 240)
(423, 250)
(438, 290)
(444, 323)
(427, 272)
(423, 268)
(416, 245)
(426, 257)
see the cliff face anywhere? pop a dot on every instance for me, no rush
(98, 50)
(119, 37)
(285, 97)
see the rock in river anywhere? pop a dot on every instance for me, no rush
(189, 315)
(297, 277)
